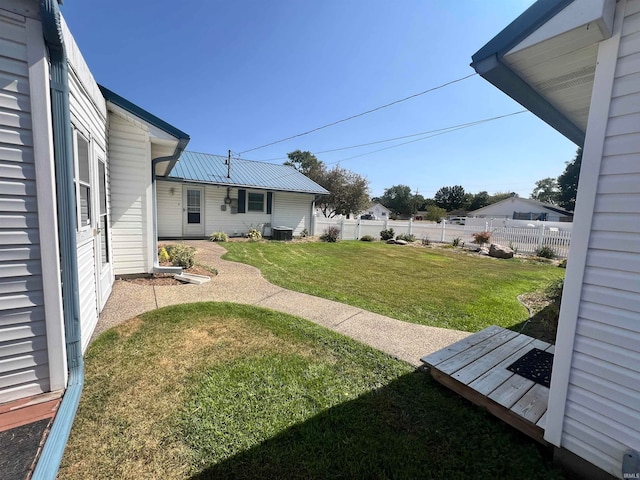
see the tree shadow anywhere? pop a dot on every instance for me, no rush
(411, 428)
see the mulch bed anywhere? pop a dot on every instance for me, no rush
(163, 279)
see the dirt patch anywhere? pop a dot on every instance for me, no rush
(161, 279)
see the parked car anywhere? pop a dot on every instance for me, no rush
(457, 220)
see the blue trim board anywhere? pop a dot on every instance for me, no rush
(488, 62)
(142, 113)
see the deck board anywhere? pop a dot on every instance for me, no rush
(476, 368)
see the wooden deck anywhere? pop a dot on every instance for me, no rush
(476, 368)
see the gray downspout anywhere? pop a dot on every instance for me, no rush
(182, 143)
(53, 449)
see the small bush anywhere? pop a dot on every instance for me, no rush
(254, 235)
(163, 255)
(304, 233)
(218, 237)
(331, 234)
(513, 247)
(367, 238)
(554, 290)
(387, 234)
(426, 241)
(481, 238)
(545, 252)
(456, 242)
(563, 263)
(407, 237)
(182, 255)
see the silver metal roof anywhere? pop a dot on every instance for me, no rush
(213, 169)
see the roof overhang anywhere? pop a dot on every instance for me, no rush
(166, 140)
(546, 58)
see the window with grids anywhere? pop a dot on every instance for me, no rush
(255, 202)
(193, 206)
(82, 182)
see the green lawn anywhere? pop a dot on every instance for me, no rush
(437, 287)
(215, 390)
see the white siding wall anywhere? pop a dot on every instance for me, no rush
(232, 224)
(602, 415)
(292, 210)
(23, 346)
(130, 158)
(89, 116)
(289, 209)
(169, 198)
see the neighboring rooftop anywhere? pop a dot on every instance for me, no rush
(213, 169)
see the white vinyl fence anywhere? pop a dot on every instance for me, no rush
(521, 239)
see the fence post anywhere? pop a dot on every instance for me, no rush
(444, 222)
(411, 226)
(358, 230)
(386, 223)
(342, 228)
(541, 236)
(313, 225)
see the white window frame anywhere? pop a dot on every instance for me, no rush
(78, 183)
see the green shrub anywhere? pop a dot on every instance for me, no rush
(218, 237)
(545, 252)
(456, 242)
(554, 290)
(331, 234)
(387, 234)
(426, 241)
(367, 238)
(304, 233)
(481, 237)
(407, 237)
(563, 263)
(254, 235)
(163, 255)
(513, 247)
(182, 255)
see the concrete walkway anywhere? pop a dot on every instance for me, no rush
(240, 283)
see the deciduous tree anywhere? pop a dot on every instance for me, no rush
(450, 198)
(546, 190)
(568, 183)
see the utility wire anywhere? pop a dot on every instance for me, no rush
(444, 129)
(360, 114)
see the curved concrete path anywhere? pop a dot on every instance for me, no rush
(240, 283)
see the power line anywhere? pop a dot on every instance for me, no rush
(360, 114)
(444, 129)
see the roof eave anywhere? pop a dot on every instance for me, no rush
(169, 178)
(139, 112)
(501, 76)
(488, 63)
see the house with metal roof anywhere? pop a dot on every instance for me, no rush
(206, 193)
(576, 65)
(517, 208)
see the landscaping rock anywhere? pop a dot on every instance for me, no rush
(391, 241)
(401, 242)
(500, 251)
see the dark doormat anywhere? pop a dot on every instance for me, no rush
(534, 365)
(19, 447)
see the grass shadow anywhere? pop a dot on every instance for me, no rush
(410, 428)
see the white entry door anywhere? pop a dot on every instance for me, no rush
(192, 211)
(103, 259)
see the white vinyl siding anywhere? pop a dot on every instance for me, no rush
(292, 210)
(232, 224)
(130, 162)
(88, 115)
(24, 366)
(169, 198)
(602, 412)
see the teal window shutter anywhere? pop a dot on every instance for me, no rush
(242, 201)
(269, 202)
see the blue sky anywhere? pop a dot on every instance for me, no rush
(240, 74)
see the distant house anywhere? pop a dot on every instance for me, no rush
(576, 65)
(377, 210)
(517, 208)
(206, 193)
